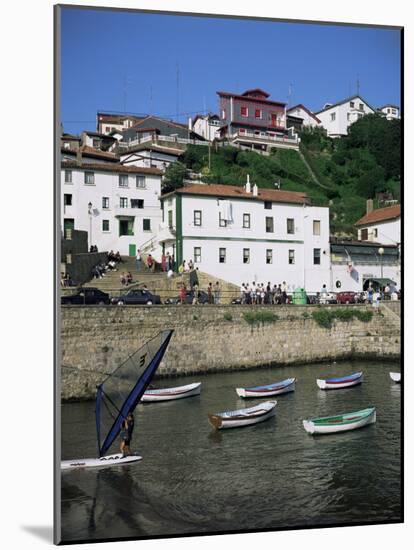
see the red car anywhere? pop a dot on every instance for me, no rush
(346, 297)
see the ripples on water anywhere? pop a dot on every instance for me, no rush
(194, 479)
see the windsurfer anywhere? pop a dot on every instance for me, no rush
(126, 434)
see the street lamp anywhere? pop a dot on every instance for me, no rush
(381, 252)
(90, 222)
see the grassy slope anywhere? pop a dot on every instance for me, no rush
(338, 174)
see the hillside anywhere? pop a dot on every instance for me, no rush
(348, 170)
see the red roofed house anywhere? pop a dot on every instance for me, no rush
(382, 225)
(252, 120)
(245, 234)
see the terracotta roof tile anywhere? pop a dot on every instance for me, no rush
(380, 215)
(116, 168)
(236, 192)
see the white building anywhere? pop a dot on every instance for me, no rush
(337, 118)
(246, 234)
(300, 111)
(390, 111)
(207, 126)
(150, 155)
(382, 225)
(117, 205)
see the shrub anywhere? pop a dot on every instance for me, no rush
(325, 317)
(228, 316)
(255, 317)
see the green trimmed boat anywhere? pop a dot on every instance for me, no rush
(340, 423)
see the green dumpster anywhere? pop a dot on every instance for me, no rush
(299, 296)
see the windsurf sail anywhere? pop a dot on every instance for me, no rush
(121, 391)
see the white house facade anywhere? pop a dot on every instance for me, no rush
(117, 205)
(207, 126)
(382, 225)
(246, 234)
(300, 111)
(151, 156)
(390, 111)
(337, 118)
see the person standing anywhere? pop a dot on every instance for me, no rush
(163, 263)
(210, 293)
(138, 260)
(217, 293)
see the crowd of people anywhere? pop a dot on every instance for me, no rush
(112, 261)
(258, 293)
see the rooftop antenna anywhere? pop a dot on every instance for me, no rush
(290, 94)
(357, 83)
(178, 81)
(151, 106)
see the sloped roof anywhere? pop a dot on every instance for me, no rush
(381, 215)
(249, 98)
(346, 101)
(239, 192)
(301, 106)
(116, 168)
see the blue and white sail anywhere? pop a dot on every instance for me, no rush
(121, 391)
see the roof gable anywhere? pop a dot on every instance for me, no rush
(347, 100)
(381, 215)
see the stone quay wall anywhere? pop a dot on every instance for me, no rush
(95, 340)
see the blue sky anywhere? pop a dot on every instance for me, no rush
(124, 61)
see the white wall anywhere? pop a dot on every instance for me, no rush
(210, 237)
(301, 113)
(363, 272)
(388, 232)
(107, 185)
(339, 127)
(148, 159)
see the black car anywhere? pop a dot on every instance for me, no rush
(86, 296)
(137, 296)
(202, 298)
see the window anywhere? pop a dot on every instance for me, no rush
(374, 231)
(137, 203)
(352, 104)
(170, 218)
(222, 255)
(316, 227)
(348, 116)
(269, 256)
(146, 224)
(123, 180)
(108, 128)
(246, 221)
(316, 256)
(364, 234)
(96, 143)
(268, 205)
(244, 111)
(222, 223)
(66, 145)
(361, 106)
(394, 111)
(246, 255)
(105, 225)
(269, 225)
(197, 217)
(68, 176)
(126, 227)
(223, 114)
(333, 116)
(242, 131)
(140, 182)
(258, 113)
(291, 257)
(67, 199)
(290, 226)
(105, 203)
(197, 254)
(89, 178)
(123, 202)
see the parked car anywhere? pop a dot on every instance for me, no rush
(137, 296)
(86, 296)
(202, 298)
(327, 298)
(345, 297)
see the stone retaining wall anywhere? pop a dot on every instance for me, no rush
(95, 340)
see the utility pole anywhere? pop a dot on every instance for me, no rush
(178, 91)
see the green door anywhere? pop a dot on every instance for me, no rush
(132, 249)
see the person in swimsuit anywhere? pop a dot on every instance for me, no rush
(126, 435)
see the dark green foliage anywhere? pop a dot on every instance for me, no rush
(174, 177)
(326, 317)
(228, 316)
(371, 182)
(255, 317)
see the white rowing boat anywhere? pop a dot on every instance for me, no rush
(277, 388)
(342, 382)
(168, 394)
(243, 417)
(340, 423)
(396, 376)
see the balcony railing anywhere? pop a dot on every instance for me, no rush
(156, 139)
(266, 137)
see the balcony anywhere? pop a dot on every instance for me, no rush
(264, 138)
(166, 233)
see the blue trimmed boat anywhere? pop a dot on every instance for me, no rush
(340, 423)
(243, 417)
(342, 382)
(277, 388)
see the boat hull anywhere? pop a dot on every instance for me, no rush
(267, 391)
(103, 462)
(242, 417)
(169, 394)
(330, 384)
(396, 376)
(350, 422)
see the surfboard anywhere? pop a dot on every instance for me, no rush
(103, 462)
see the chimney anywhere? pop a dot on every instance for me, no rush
(255, 190)
(248, 186)
(370, 206)
(79, 156)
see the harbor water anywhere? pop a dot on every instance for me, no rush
(194, 479)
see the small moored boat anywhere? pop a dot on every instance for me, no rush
(243, 417)
(342, 382)
(396, 376)
(271, 389)
(168, 394)
(340, 423)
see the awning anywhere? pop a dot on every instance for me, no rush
(382, 282)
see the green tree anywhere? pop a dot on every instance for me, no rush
(174, 177)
